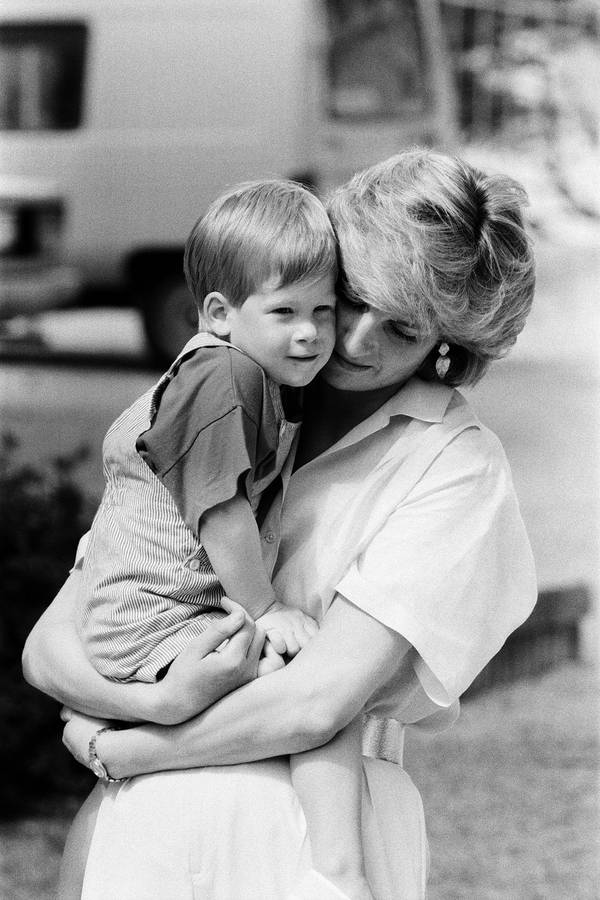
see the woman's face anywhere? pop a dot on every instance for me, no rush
(373, 352)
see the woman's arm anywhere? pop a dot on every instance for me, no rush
(55, 663)
(289, 711)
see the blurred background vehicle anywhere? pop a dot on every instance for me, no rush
(122, 120)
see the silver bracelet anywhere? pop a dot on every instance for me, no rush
(94, 762)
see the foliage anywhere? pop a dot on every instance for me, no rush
(43, 515)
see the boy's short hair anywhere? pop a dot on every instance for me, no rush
(256, 231)
(431, 240)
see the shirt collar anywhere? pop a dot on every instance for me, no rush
(417, 399)
(423, 400)
(206, 339)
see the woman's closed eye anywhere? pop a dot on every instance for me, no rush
(354, 303)
(402, 331)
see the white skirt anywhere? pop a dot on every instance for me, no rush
(238, 833)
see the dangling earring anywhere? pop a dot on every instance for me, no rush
(442, 363)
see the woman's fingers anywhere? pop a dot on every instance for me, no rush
(77, 732)
(220, 630)
(256, 646)
(230, 606)
(243, 651)
(246, 639)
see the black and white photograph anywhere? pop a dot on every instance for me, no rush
(299, 449)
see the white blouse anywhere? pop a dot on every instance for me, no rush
(412, 517)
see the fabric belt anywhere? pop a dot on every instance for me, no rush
(383, 739)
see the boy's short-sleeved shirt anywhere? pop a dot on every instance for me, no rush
(212, 425)
(217, 422)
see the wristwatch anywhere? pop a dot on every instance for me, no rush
(95, 763)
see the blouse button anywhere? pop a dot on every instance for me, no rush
(269, 537)
(195, 565)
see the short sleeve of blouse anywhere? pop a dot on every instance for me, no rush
(209, 430)
(451, 570)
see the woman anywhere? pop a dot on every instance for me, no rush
(398, 529)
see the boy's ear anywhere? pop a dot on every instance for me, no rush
(215, 312)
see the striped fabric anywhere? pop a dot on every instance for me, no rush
(148, 586)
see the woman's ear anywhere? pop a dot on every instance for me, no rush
(215, 312)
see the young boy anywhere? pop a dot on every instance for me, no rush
(187, 463)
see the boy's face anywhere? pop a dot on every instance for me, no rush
(289, 331)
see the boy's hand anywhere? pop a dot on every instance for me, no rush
(270, 660)
(287, 628)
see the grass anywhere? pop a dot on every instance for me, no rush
(510, 793)
(30, 856)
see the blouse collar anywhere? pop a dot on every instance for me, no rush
(423, 400)
(417, 399)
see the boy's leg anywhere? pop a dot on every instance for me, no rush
(329, 783)
(74, 859)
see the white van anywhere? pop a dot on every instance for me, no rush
(121, 119)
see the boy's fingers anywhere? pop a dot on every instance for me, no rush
(269, 651)
(307, 636)
(277, 640)
(270, 662)
(293, 645)
(310, 626)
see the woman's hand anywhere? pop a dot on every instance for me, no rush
(298, 707)
(78, 731)
(54, 662)
(221, 659)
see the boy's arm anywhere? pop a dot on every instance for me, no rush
(328, 781)
(230, 536)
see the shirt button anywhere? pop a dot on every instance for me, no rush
(270, 537)
(195, 565)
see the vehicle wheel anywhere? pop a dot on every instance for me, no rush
(170, 318)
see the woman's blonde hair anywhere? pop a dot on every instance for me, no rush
(254, 232)
(432, 241)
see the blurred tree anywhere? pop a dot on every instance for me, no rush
(526, 77)
(43, 516)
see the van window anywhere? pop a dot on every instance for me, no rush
(41, 75)
(375, 60)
